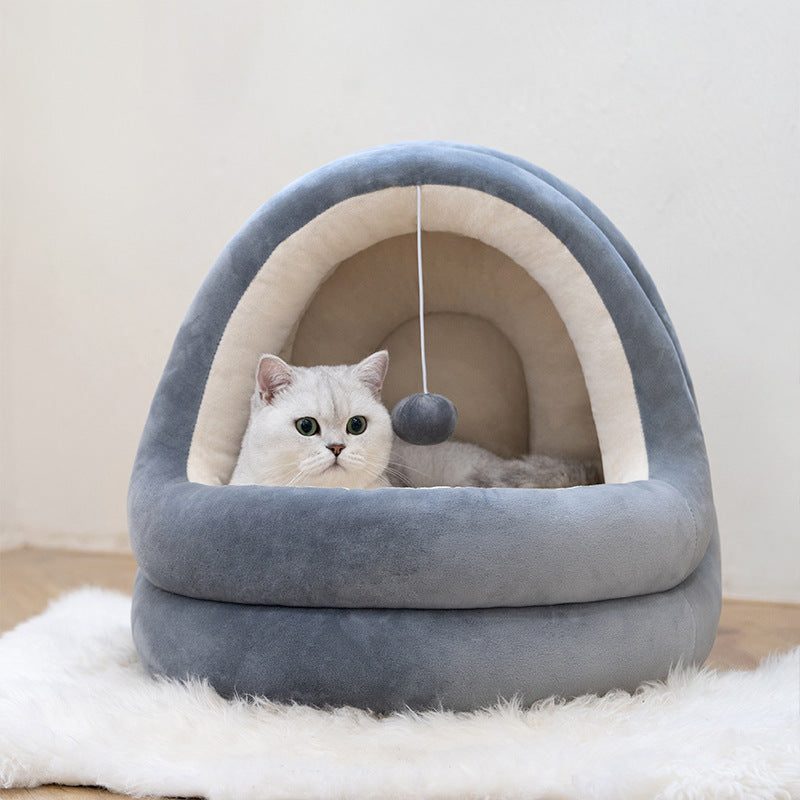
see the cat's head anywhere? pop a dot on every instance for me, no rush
(319, 426)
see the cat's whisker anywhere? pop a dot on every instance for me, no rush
(377, 468)
(405, 467)
(361, 463)
(301, 474)
(400, 478)
(375, 471)
(298, 476)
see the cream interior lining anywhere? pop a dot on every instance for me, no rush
(300, 305)
(485, 320)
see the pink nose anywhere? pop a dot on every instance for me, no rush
(336, 449)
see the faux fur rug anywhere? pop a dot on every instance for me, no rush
(76, 707)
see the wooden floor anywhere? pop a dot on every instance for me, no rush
(29, 579)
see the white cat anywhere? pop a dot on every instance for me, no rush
(326, 426)
(317, 426)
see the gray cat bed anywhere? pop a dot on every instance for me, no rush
(548, 334)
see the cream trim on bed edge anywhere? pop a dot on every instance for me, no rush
(276, 298)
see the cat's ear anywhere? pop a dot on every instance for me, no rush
(372, 371)
(272, 375)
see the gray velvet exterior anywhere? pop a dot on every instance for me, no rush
(389, 659)
(530, 591)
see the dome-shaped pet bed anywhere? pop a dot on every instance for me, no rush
(549, 336)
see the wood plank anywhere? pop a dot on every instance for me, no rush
(748, 631)
(54, 792)
(31, 578)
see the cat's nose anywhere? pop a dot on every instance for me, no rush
(335, 448)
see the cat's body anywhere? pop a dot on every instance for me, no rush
(457, 463)
(326, 426)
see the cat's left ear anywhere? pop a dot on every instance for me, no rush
(372, 371)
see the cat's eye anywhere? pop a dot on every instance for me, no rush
(356, 425)
(308, 426)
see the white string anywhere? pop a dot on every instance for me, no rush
(421, 294)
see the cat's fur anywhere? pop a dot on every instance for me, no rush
(275, 453)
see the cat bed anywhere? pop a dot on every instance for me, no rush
(547, 333)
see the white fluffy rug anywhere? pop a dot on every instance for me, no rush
(76, 707)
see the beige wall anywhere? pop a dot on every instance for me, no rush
(138, 136)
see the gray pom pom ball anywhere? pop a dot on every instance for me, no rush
(424, 418)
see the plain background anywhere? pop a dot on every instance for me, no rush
(137, 137)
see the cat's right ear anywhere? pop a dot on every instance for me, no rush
(272, 375)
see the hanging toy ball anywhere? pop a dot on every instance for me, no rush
(424, 418)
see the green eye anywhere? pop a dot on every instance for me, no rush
(356, 425)
(308, 426)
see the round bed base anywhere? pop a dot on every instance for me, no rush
(390, 659)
